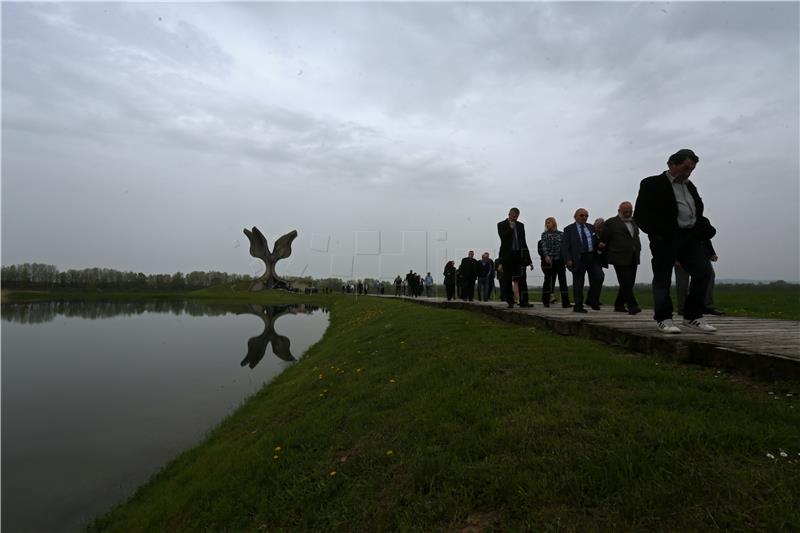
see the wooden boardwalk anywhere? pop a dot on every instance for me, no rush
(763, 348)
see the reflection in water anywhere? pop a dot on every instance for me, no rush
(257, 346)
(92, 408)
(38, 312)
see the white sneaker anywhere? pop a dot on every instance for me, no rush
(667, 326)
(700, 325)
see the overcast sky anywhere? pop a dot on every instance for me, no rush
(392, 136)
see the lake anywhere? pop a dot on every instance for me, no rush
(98, 396)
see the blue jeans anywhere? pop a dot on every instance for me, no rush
(485, 287)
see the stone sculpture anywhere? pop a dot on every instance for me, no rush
(260, 250)
(257, 346)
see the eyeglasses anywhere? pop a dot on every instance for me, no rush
(583, 216)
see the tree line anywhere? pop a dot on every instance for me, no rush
(43, 276)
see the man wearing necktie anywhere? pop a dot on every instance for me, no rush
(514, 258)
(579, 250)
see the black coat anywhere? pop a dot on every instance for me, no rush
(449, 274)
(468, 269)
(506, 234)
(656, 211)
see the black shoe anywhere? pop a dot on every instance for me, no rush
(620, 310)
(546, 304)
(595, 307)
(526, 305)
(566, 305)
(579, 310)
(712, 311)
(634, 311)
(510, 306)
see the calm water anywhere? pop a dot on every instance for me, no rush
(96, 397)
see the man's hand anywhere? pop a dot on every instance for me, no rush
(569, 265)
(714, 258)
(548, 260)
(601, 245)
(500, 268)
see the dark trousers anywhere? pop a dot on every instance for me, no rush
(626, 276)
(590, 265)
(397, 290)
(468, 289)
(451, 290)
(556, 270)
(682, 288)
(689, 251)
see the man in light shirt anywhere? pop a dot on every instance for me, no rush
(670, 211)
(622, 247)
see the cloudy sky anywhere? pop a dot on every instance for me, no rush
(391, 135)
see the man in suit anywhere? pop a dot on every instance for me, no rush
(485, 277)
(469, 273)
(514, 258)
(622, 248)
(579, 248)
(670, 211)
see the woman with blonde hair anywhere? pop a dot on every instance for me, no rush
(553, 263)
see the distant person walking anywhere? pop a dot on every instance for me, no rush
(551, 257)
(579, 249)
(428, 285)
(670, 211)
(623, 247)
(514, 257)
(485, 277)
(450, 279)
(398, 285)
(468, 269)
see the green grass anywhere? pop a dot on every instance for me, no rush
(734, 300)
(435, 420)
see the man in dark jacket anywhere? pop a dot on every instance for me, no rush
(622, 248)
(579, 248)
(514, 257)
(670, 211)
(468, 271)
(485, 277)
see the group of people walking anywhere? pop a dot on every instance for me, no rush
(413, 285)
(668, 209)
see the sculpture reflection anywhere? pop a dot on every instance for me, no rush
(281, 345)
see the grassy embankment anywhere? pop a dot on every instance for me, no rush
(416, 418)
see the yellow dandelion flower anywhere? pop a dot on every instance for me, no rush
(389, 452)
(358, 369)
(391, 381)
(275, 457)
(277, 448)
(333, 472)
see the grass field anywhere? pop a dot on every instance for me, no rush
(406, 417)
(780, 302)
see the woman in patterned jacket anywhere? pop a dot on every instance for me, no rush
(551, 257)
